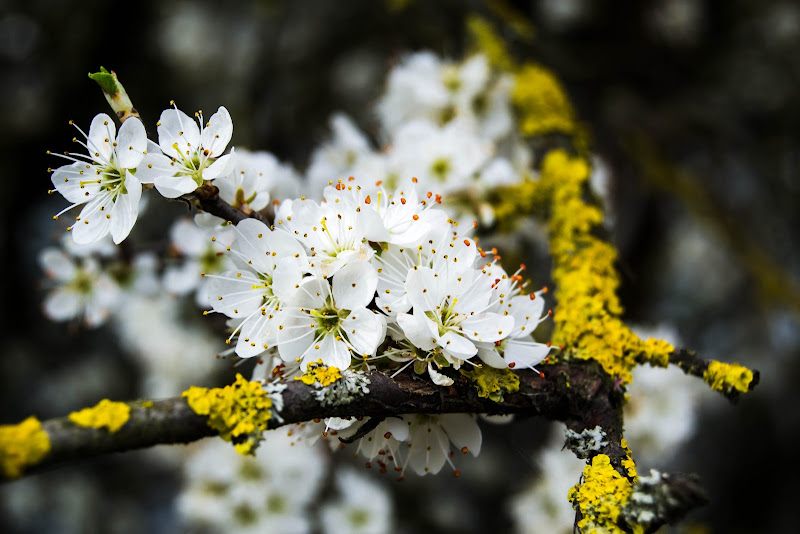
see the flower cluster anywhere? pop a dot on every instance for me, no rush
(448, 124)
(369, 268)
(370, 271)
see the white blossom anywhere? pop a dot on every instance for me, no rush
(106, 180)
(199, 254)
(271, 265)
(192, 152)
(80, 288)
(331, 321)
(364, 506)
(271, 492)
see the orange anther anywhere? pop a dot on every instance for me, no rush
(367, 200)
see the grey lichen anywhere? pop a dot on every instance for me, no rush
(352, 384)
(587, 442)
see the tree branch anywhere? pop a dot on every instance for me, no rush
(208, 198)
(577, 393)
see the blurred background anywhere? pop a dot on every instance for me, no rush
(694, 118)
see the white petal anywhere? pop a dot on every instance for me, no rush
(154, 165)
(251, 242)
(398, 427)
(178, 135)
(217, 169)
(490, 356)
(57, 264)
(332, 352)
(93, 224)
(524, 354)
(234, 295)
(217, 134)
(429, 446)
(257, 330)
(312, 293)
(131, 143)
(62, 304)
(526, 313)
(438, 378)
(354, 285)
(175, 186)
(286, 280)
(425, 289)
(126, 208)
(296, 334)
(463, 431)
(416, 331)
(101, 135)
(457, 345)
(75, 182)
(365, 330)
(488, 327)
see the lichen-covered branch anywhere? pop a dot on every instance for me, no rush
(578, 393)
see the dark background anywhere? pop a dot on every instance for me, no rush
(693, 105)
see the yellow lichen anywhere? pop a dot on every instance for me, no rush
(240, 412)
(726, 377)
(627, 462)
(600, 497)
(489, 43)
(525, 197)
(21, 446)
(317, 372)
(587, 319)
(106, 413)
(541, 102)
(492, 383)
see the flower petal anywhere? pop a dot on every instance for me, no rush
(102, 133)
(74, 182)
(126, 208)
(438, 378)
(463, 431)
(295, 334)
(488, 327)
(365, 330)
(93, 224)
(154, 165)
(131, 143)
(175, 186)
(178, 135)
(524, 354)
(457, 345)
(217, 134)
(416, 330)
(354, 285)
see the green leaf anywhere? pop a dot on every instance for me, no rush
(107, 80)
